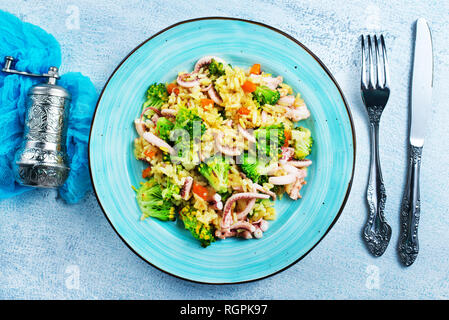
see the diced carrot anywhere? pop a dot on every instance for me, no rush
(255, 69)
(207, 102)
(200, 191)
(288, 136)
(146, 172)
(149, 153)
(176, 90)
(249, 86)
(170, 88)
(243, 110)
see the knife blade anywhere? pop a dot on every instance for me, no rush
(421, 96)
(422, 78)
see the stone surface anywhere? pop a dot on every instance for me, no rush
(52, 250)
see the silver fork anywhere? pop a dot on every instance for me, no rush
(375, 94)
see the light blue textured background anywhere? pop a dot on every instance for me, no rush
(43, 242)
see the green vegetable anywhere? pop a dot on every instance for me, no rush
(264, 95)
(164, 127)
(188, 120)
(225, 196)
(157, 95)
(187, 155)
(201, 231)
(270, 140)
(302, 142)
(216, 68)
(215, 170)
(187, 132)
(166, 157)
(152, 204)
(169, 190)
(255, 168)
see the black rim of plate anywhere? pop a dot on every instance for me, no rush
(348, 189)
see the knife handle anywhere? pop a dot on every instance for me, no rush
(377, 232)
(410, 210)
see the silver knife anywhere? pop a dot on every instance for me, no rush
(421, 96)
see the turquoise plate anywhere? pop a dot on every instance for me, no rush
(299, 226)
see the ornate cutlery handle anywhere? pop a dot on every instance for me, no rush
(377, 232)
(410, 211)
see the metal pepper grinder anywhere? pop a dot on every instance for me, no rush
(41, 160)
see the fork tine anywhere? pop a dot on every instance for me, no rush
(378, 63)
(371, 64)
(386, 69)
(363, 78)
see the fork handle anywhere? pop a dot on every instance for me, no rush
(410, 210)
(377, 232)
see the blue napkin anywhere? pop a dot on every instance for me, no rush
(35, 51)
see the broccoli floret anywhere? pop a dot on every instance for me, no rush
(202, 232)
(187, 146)
(302, 141)
(255, 168)
(187, 155)
(156, 95)
(169, 190)
(215, 170)
(216, 68)
(185, 119)
(152, 204)
(164, 127)
(270, 139)
(264, 95)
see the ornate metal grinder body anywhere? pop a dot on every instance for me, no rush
(41, 160)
